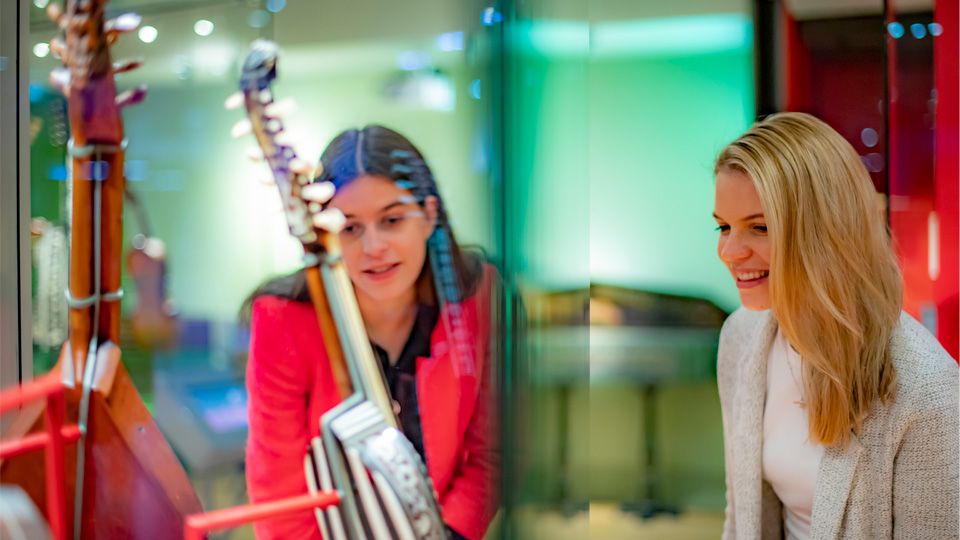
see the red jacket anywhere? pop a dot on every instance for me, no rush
(290, 386)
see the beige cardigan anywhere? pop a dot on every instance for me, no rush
(897, 480)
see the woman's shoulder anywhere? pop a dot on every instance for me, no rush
(927, 376)
(742, 334)
(273, 307)
(490, 276)
(742, 325)
(282, 318)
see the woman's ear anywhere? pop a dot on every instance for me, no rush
(431, 207)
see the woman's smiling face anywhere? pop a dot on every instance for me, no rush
(744, 246)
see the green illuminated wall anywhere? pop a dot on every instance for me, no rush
(657, 121)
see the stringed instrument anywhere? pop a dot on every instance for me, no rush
(384, 489)
(154, 323)
(122, 478)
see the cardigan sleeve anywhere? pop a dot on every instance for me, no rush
(278, 385)
(725, 374)
(925, 470)
(473, 498)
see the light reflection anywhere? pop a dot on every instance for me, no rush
(134, 170)
(490, 16)
(147, 34)
(413, 60)
(41, 50)
(203, 27)
(259, 18)
(895, 29)
(450, 41)
(58, 172)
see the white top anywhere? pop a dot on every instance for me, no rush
(790, 462)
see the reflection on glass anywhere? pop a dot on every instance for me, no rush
(201, 229)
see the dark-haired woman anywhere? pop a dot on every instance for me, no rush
(426, 309)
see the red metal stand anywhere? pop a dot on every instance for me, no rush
(48, 387)
(198, 525)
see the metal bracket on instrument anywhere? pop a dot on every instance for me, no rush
(85, 151)
(313, 259)
(80, 303)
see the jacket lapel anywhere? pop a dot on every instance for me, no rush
(750, 398)
(444, 409)
(834, 480)
(438, 418)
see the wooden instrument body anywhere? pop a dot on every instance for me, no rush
(133, 484)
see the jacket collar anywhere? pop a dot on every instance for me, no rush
(837, 467)
(750, 398)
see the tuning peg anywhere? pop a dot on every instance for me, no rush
(267, 180)
(57, 46)
(330, 220)
(319, 192)
(128, 22)
(131, 96)
(234, 101)
(255, 154)
(273, 125)
(300, 167)
(241, 128)
(284, 138)
(127, 64)
(60, 79)
(281, 109)
(55, 12)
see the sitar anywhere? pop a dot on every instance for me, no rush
(384, 489)
(122, 478)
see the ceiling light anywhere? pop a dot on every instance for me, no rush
(41, 50)
(147, 34)
(203, 27)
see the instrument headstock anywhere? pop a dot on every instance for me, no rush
(87, 76)
(302, 199)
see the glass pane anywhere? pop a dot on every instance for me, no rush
(670, 85)
(544, 228)
(914, 222)
(201, 228)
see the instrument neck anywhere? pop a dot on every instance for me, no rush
(344, 333)
(96, 237)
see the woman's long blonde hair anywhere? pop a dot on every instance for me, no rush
(835, 287)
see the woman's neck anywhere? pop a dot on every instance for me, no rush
(388, 322)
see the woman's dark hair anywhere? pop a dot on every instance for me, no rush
(379, 151)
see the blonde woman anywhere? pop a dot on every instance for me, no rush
(840, 412)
